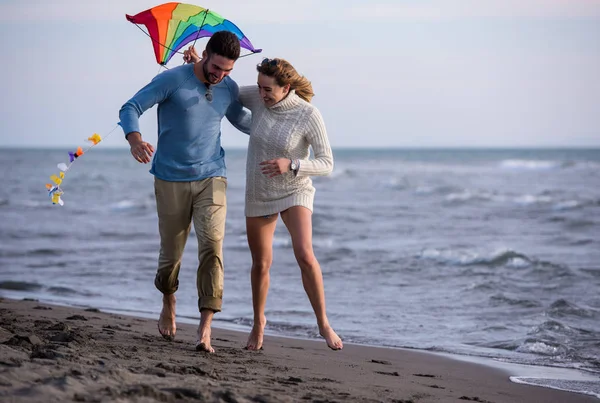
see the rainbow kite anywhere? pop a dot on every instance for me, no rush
(173, 25)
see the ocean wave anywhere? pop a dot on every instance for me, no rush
(528, 199)
(541, 348)
(19, 286)
(42, 252)
(504, 257)
(531, 164)
(551, 326)
(279, 327)
(501, 299)
(584, 387)
(66, 291)
(4, 202)
(443, 189)
(128, 205)
(574, 204)
(46, 203)
(562, 308)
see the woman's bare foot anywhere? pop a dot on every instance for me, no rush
(333, 340)
(255, 340)
(166, 321)
(204, 332)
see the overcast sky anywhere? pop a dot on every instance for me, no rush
(414, 73)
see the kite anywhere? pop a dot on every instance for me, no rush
(54, 190)
(171, 26)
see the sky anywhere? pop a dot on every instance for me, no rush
(412, 73)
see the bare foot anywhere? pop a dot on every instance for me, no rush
(166, 321)
(255, 340)
(204, 332)
(333, 340)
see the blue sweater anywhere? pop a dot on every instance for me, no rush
(189, 127)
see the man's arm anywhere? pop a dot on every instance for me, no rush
(129, 114)
(237, 115)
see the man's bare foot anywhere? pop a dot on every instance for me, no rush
(333, 340)
(204, 331)
(166, 321)
(255, 340)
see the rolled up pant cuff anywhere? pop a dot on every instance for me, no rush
(212, 303)
(164, 288)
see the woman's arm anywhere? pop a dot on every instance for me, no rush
(316, 134)
(249, 96)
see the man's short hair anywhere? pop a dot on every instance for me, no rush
(224, 43)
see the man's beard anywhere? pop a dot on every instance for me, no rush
(207, 74)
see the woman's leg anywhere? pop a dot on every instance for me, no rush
(260, 231)
(298, 221)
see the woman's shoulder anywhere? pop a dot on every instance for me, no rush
(309, 110)
(249, 93)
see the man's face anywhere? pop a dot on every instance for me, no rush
(216, 68)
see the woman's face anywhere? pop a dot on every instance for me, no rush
(270, 91)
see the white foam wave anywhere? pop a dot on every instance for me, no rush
(530, 164)
(585, 387)
(504, 257)
(567, 205)
(527, 199)
(36, 203)
(128, 205)
(539, 347)
(468, 195)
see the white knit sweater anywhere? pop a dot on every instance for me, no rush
(284, 130)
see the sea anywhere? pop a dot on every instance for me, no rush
(489, 254)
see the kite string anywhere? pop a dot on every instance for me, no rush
(154, 40)
(200, 27)
(92, 145)
(171, 49)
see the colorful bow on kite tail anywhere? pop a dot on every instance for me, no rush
(54, 190)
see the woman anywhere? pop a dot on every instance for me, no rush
(278, 169)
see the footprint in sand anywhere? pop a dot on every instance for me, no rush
(77, 317)
(395, 373)
(381, 362)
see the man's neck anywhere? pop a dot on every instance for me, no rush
(199, 71)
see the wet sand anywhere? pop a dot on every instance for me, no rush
(56, 354)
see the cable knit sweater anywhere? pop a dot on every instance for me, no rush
(284, 130)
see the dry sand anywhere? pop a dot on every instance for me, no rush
(57, 354)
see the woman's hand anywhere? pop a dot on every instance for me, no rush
(190, 55)
(275, 167)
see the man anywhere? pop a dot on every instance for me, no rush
(189, 169)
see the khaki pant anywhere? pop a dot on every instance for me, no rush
(178, 205)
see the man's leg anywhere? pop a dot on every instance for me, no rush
(260, 231)
(174, 208)
(298, 221)
(209, 214)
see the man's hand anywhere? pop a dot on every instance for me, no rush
(141, 151)
(190, 55)
(275, 167)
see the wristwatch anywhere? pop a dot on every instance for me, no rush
(294, 166)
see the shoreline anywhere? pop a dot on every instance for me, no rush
(62, 353)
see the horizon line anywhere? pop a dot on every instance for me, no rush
(373, 148)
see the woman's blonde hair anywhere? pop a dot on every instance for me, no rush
(284, 73)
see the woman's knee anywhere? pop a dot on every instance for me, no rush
(306, 259)
(261, 266)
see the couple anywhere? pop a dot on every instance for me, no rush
(190, 179)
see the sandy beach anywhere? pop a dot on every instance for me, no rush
(55, 354)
